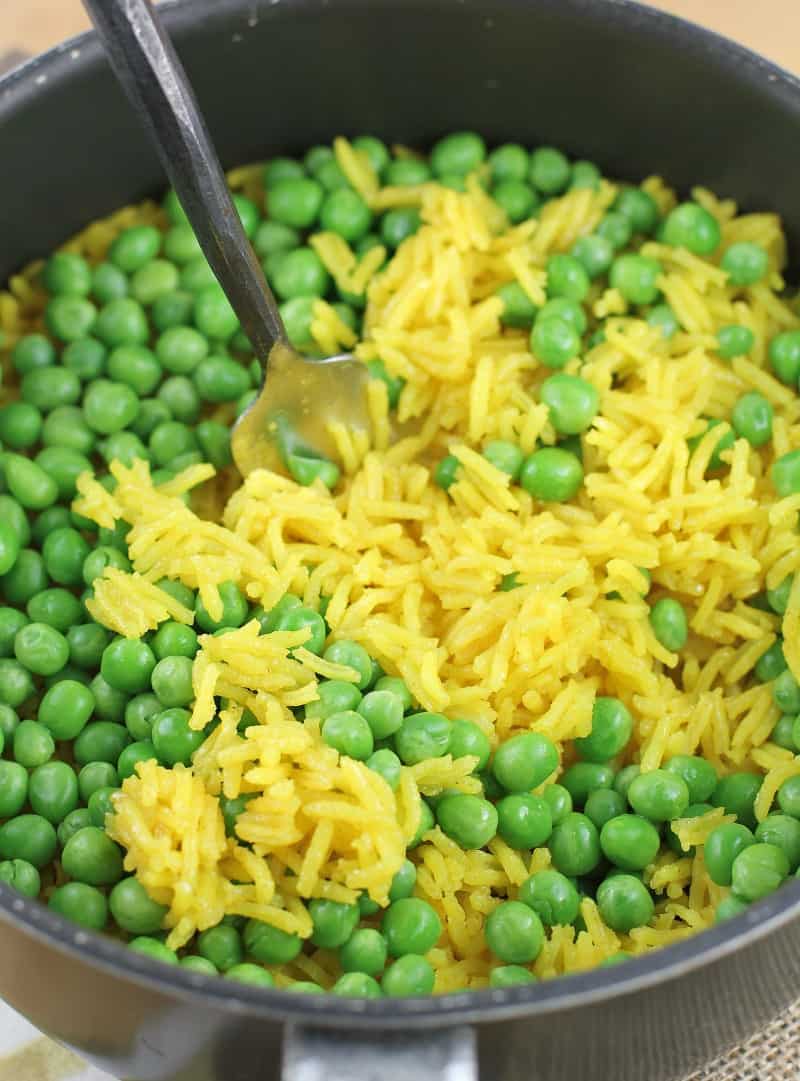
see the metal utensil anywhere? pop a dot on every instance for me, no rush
(299, 397)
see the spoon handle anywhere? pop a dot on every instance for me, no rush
(154, 79)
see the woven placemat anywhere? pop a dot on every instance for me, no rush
(770, 1055)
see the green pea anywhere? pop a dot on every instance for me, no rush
(198, 964)
(172, 309)
(53, 791)
(375, 150)
(154, 949)
(127, 665)
(134, 247)
(21, 876)
(349, 733)
(603, 805)
(333, 922)
(510, 976)
(250, 974)
(585, 174)
(28, 837)
(345, 212)
(422, 736)
(472, 822)
(407, 172)
(109, 407)
(66, 708)
(595, 253)
(783, 832)
(559, 800)
(9, 547)
(664, 318)
(94, 776)
(729, 907)
(523, 820)
(305, 619)
(134, 910)
(636, 276)
(721, 849)
(459, 153)
(295, 202)
(698, 774)
(669, 623)
(737, 794)
(13, 788)
(505, 456)
(575, 845)
(752, 418)
(690, 226)
(612, 726)
(624, 902)
(771, 663)
(409, 975)
(550, 170)
(155, 279)
(410, 926)
(108, 283)
(388, 765)
(33, 744)
(121, 322)
(383, 712)
(514, 932)
(364, 952)
(659, 795)
(639, 207)
(92, 857)
(466, 738)
(269, 944)
(426, 823)
(86, 644)
(524, 761)
(785, 474)
(9, 719)
(759, 869)
(100, 741)
(573, 403)
(566, 277)
(11, 620)
(551, 475)
(446, 472)
(786, 693)
(735, 341)
(32, 351)
(171, 680)
(518, 308)
(335, 696)
(214, 316)
(130, 757)
(783, 733)
(70, 317)
(234, 609)
(509, 162)
(554, 341)
(20, 425)
(630, 842)
(174, 741)
(352, 655)
(80, 903)
(16, 684)
(552, 896)
(784, 355)
(282, 169)
(28, 483)
(745, 263)
(516, 198)
(616, 229)
(222, 945)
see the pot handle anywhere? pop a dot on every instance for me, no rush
(317, 1054)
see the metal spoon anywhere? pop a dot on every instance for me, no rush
(299, 397)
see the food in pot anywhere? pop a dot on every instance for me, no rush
(512, 697)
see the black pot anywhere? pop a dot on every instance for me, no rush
(637, 92)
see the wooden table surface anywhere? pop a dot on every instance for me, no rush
(771, 27)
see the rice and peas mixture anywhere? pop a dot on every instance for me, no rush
(513, 697)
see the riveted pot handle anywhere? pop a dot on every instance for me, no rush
(315, 1054)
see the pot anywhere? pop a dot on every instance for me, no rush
(639, 93)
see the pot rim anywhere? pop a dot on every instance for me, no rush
(668, 964)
